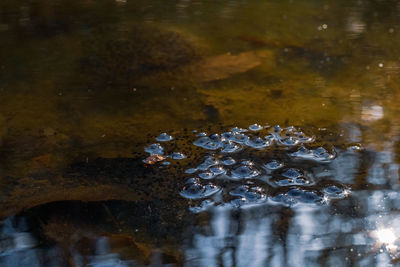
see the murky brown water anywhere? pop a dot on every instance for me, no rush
(86, 87)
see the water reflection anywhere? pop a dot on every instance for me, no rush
(81, 80)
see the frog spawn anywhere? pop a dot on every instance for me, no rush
(156, 151)
(226, 162)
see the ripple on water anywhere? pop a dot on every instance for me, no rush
(195, 189)
(248, 195)
(154, 149)
(245, 170)
(164, 137)
(319, 154)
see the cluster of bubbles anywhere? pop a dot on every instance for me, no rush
(232, 172)
(157, 149)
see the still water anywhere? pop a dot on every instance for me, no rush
(199, 133)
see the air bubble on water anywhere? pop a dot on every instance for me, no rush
(288, 141)
(290, 181)
(319, 154)
(166, 163)
(202, 134)
(355, 147)
(292, 173)
(334, 191)
(277, 129)
(240, 138)
(228, 161)
(245, 170)
(274, 165)
(206, 175)
(154, 149)
(205, 204)
(231, 147)
(218, 170)
(195, 189)
(303, 138)
(257, 142)
(191, 170)
(177, 155)
(299, 195)
(255, 127)
(227, 136)
(164, 137)
(238, 130)
(208, 162)
(208, 143)
(248, 195)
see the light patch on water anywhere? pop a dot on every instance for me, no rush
(372, 113)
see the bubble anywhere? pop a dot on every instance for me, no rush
(257, 142)
(303, 138)
(164, 137)
(238, 130)
(277, 129)
(217, 170)
(227, 136)
(334, 191)
(274, 165)
(292, 173)
(202, 134)
(245, 170)
(255, 127)
(177, 155)
(290, 136)
(299, 195)
(154, 149)
(166, 163)
(208, 162)
(208, 143)
(194, 189)
(319, 154)
(231, 147)
(288, 141)
(206, 175)
(248, 195)
(205, 204)
(291, 177)
(228, 161)
(290, 181)
(191, 170)
(240, 138)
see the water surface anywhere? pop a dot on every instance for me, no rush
(86, 88)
